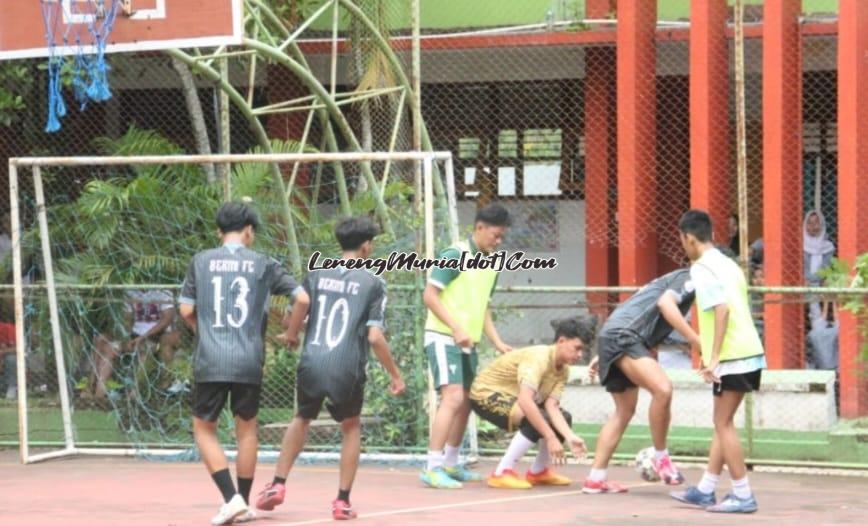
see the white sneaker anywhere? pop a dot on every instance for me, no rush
(247, 517)
(230, 511)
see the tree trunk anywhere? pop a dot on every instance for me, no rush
(197, 118)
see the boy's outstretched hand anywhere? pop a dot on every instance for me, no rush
(577, 446)
(287, 339)
(594, 367)
(397, 386)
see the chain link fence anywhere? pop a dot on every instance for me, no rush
(524, 95)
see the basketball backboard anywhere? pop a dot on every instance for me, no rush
(149, 25)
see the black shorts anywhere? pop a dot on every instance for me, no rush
(310, 402)
(495, 408)
(209, 398)
(742, 383)
(611, 347)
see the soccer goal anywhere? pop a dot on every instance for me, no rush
(100, 247)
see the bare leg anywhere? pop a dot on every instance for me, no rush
(459, 424)
(293, 443)
(613, 429)
(105, 355)
(351, 428)
(446, 424)
(248, 444)
(647, 374)
(205, 434)
(168, 341)
(728, 443)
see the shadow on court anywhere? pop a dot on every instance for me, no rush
(104, 492)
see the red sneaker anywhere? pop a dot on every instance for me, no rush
(602, 486)
(271, 496)
(342, 511)
(667, 472)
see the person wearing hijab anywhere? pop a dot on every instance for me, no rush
(818, 250)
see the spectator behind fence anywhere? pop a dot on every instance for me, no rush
(756, 253)
(734, 239)
(757, 305)
(149, 317)
(817, 247)
(823, 338)
(7, 351)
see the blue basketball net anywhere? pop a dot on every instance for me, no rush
(88, 69)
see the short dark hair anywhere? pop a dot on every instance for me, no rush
(581, 327)
(494, 215)
(696, 223)
(352, 232)
(235, 216)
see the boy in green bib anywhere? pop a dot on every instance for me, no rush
(732, 361)
(458, 315)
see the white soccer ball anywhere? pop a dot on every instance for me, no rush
(645, 465)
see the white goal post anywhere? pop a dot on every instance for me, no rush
(424, 184)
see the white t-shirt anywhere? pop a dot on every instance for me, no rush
(147, 308)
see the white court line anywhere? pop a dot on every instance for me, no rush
(455, 505)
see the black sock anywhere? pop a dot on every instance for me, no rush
(344, 495)
(224, 481)
(278, 480)
(244, 486)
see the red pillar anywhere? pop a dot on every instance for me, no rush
(852, 184)
(601, 257)
(637, 241)
(710, 164)
(782, 180)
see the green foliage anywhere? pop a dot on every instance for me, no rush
(16, 81)
(841, 274)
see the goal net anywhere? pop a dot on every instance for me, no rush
(101, 245)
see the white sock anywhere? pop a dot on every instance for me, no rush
(598, 475)
(741, 488)
(517, 448)
(435, 459)
(658, 454)
(708, 482)
(451, 458)
(541, 462)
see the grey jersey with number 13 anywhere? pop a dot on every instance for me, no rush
(230, 287)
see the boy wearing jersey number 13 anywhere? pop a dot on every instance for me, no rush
(225, 301)
(732, 361)
(347, 316)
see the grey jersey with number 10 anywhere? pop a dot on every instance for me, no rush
(343, 305)
(230, 287)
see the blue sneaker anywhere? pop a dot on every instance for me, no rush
(439, 479)
(694, 497)
(462, 474)
(733, 504)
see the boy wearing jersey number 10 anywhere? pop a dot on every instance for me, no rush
(224, 300)
(347, 316)
(458, 314)
(732, 361)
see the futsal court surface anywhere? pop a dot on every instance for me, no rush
(111, 491)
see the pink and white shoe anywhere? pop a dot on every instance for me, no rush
(342, 511)
(593, 487)
(271, 496)
(667, 471)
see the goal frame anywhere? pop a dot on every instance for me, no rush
(425, 169)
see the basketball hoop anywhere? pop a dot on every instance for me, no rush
(84, 27)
